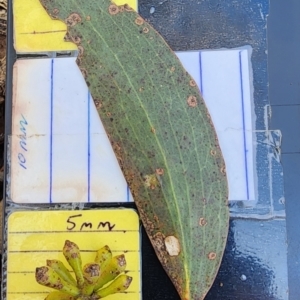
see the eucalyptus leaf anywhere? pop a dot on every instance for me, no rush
(162, 135)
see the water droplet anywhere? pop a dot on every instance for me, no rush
(152, 10)
(243, 277)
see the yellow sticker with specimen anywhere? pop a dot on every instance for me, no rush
(36, 32)
(35, 236)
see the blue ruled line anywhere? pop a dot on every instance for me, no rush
(244, 127)
(89, 147)
(51, 130)
(200, 65)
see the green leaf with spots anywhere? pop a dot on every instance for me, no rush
(161, 133)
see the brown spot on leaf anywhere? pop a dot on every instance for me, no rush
(172, 245)
(127, 7)
(98, 104)
(148, 224)
(121, 8)
(73, 19)
(113, 9)
(67, 37)
(192, 101)
(193, 83)
(116, 147)
(158, 241)
(223, 170)
(76, 40)
(202, 222)
(213, 152)
(88, 18)
(153, 130)
(151, 181)
(108, 114)
(78, 61)
(160, 171)
(80, 50)
(212, 255)
(139, 21)
(55, 11)
(145, 30)
(172, 69)
(84, 72)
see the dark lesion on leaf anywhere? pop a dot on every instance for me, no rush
(145, 29)
(128, 8)
(139, 21)
(121, 8)
(76, 40)
(158, 241)
(98, 104)
(223, 170)
(73, 19)
(160, 171)
(113, 9)
(151, 181)
(211, 255)
(193, 83)
(55, 11)
(192, 101)
(213, 152)
(202, 222)
(84, 72)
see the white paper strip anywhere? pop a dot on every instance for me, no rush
(60, 151)
(226, 87)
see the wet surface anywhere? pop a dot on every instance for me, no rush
(254, 264)
(253, 267)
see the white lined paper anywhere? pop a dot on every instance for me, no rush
(57, 168)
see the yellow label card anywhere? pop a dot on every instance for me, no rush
(35, 31)
(35, 236)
